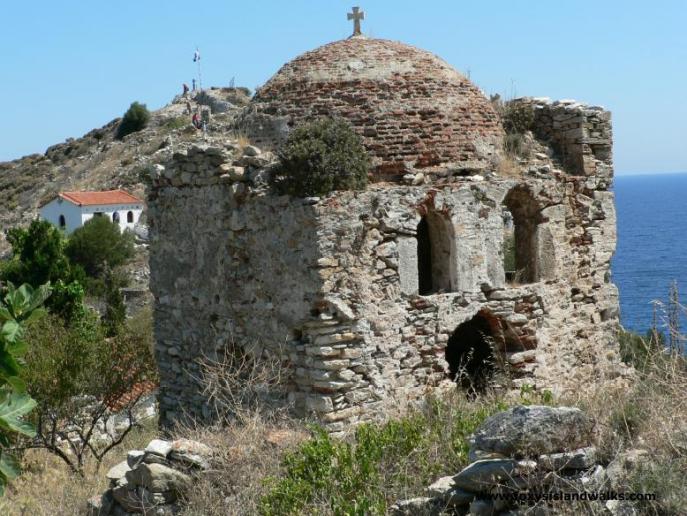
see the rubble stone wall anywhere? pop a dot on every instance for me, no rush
(581, 135)
(226, 267)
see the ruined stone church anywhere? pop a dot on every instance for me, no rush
(369, 297)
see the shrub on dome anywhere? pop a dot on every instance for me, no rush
(319, 157)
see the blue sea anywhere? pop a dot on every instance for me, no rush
(652, 244)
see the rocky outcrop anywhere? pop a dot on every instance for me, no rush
(520, 454)
(152, 481)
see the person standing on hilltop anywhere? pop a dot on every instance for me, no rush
(185, 86)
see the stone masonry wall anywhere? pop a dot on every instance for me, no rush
(581, 135)
(226, 268)
(331, 284)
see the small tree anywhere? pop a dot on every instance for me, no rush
(81, 381)
(115, 309)
(39, 258)
(98, 242)
(319, 157)
(135, 119)
(39, 253)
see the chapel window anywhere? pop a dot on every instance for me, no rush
(436, 255)
(521, 217)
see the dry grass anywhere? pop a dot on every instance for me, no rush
(651, 415)
(508, 167)
(242, 141)
(246, 453)
(47, 487)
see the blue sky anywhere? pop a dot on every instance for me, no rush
(70, 66)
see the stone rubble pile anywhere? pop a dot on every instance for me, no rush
(152, 481)
(522, 451)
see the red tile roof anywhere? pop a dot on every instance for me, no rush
(96, 198)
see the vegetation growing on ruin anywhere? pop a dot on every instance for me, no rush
(320, 157)
(517, 119)
(135, 119)
(378, 465)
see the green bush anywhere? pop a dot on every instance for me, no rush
(39, 254)
(517, 117)
(99, 242)
(379, 465)
(135, 119)
(39, 258)
(319, 157)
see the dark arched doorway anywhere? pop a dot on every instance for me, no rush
(470, 354)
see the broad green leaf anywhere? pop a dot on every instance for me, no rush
(16, 406)
(39, 296)
(17, 348)
(11, 331)
(9, 466)
(8, 365)
(22, 296)
(17, 384)
(5, 314)
(35, 314)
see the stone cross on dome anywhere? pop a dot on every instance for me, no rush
(357, 15)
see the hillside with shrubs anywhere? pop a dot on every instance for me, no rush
(112, 156)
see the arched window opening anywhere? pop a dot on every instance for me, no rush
(470, 354)
(115, 217)
(130, 217)
(436, 255)
(424, 257)
(521, 216)
(62, 221)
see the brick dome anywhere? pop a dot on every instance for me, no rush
(412, 108)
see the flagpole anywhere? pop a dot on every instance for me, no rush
(196, 58)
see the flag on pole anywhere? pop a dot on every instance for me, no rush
(196, 56)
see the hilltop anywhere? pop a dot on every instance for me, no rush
(98, 160)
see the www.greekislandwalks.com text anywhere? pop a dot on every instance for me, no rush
(551, 496)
